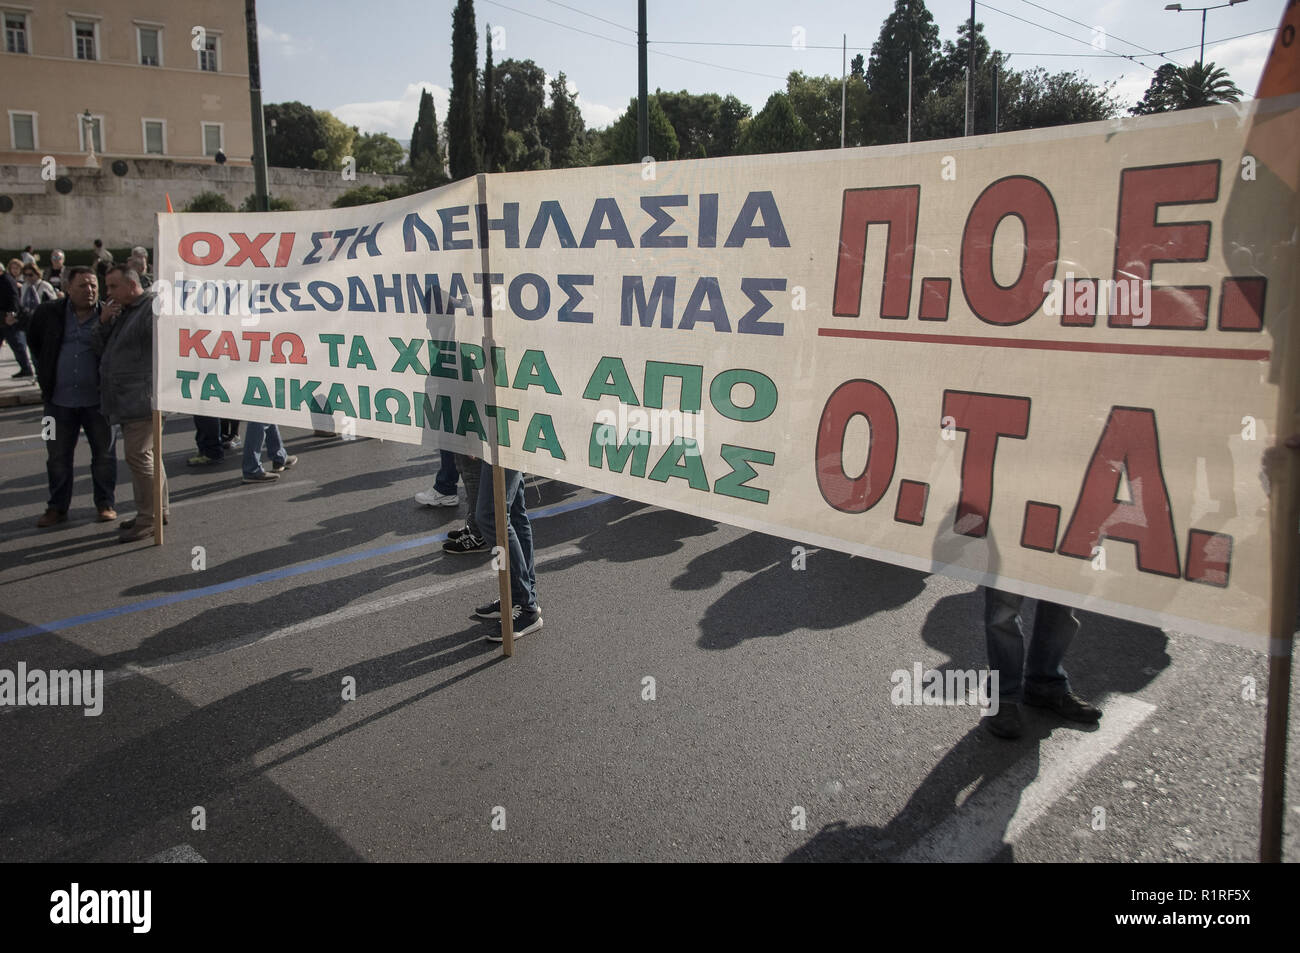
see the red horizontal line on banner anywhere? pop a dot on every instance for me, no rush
(1157, 350)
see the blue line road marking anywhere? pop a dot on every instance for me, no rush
(261, 577)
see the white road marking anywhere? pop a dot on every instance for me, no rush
(182, 854)
(332, 618)
(26, 436)
(977, 830)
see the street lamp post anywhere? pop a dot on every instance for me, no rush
(1179, 8)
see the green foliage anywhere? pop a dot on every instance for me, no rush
(621, 137)
(378, 152)
(494, 117)
(464, 147)
(368, 194)
(564, 124)
(339, 137)
(208, 202)
(706, 124)
(521, 85)
(277, 205)
(909, 27)
(776, 129)
(816, 100)
(1187, 87)
(294, 131)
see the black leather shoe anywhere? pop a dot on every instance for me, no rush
(1006, 722)
(1068, 705)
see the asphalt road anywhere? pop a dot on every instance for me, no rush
(225, 734)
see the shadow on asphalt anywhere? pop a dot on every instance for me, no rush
(142, 766)
(1107, 656)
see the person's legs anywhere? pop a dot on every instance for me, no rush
(1006, 644)
(445, 480)
(17, 340)
(137, 435)
(254, 436)
(59, 454)
(103, 457)
(469, 472)
(519, 534)
(1054, 629)
(275, 446)
(207, 436)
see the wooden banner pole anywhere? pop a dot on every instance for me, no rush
(502, 549)
(157, 479)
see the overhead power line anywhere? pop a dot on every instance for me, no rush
(1072, 39)
(592, 15)
(1088, 26)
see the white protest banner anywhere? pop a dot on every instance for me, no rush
(1042, 361)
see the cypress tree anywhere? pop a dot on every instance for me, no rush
(494, 117)
(464, 148)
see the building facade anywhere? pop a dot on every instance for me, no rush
(129, 79)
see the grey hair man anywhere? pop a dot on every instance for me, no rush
(124, 341)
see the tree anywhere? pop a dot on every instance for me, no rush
(378, 152)
(910, 27)
(463, 143)
(428, 165)
(339, 137)
(858, 67)
(621, 137)
(494, 117)
(950, 67)
(208, 202)
(522, 85)
(776, 129)
(1039, 99)
(1203, 84)
(732, 114)
(564, 124)
(1159, 96)
(276, 205)
(294, 131)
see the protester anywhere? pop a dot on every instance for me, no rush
(1041, 680)
(103, 261)
(281, 459)
(124, 338)
(443, 491)
(34, 292)
(28, 256)
(229, 434)
(61, 333)
(469, 539)
(526, 612)
(207, 437)
(12, 327)
(139, 261)
(54, 275)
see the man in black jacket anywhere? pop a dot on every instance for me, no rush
(11, 326)
(61, 335)
(124, 339)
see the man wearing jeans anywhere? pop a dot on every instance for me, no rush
(281, 460)
(61, 337)
(1042, 677)
(527, 613)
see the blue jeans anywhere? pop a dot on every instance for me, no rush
(253, 438)
(519, 532)
(60, 452)
(1054, 628)
(445, 481)
(16, 339)
(207, 436)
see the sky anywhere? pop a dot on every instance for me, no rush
(367, 65)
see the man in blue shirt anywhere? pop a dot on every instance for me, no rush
(67, 368)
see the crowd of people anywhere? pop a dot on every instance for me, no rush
(85, 335)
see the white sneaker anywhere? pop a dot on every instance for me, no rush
(434, 498)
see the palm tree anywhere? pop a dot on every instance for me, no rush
(1202, 84)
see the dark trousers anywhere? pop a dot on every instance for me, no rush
(207, 434)
(445, 481)
(16, 339)
(69, 422)
(229, 429)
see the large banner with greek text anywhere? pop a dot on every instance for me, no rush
(1044, 361)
